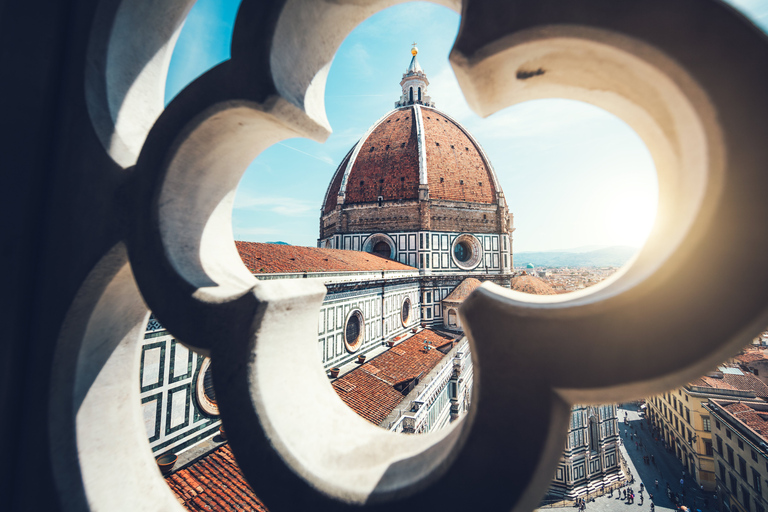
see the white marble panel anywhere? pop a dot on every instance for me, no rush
(180, 360)
(149, 411)
(151, 373)
(179, 407)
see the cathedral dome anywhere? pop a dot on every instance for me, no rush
(415, 170)
(410, 149)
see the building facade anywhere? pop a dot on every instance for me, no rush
(740, 429)
(680, 418)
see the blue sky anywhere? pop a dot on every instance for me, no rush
(573, 174)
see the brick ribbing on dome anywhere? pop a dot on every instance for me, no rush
(387, 164)
(453, 157)
(332, 195)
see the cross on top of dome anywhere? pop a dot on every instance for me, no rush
(414, 84)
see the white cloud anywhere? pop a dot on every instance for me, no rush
(286, 206)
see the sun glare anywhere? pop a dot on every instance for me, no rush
(630, 218)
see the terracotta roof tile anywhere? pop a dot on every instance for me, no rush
(262, 258)
(529, 284)
(214, 482)
(332, 194)
(369, 390)
(455, 169)
(751, 356)
(746, 382)
(756, 420)
(387, 163)
(463, 290)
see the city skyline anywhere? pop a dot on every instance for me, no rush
(573, 175)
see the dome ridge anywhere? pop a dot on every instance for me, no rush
(478, 147)
(356, 151)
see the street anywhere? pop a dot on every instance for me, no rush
(638, 442)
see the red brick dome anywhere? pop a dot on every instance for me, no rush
(411, 149)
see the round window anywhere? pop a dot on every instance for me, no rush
(467, 251)
(462, 251)
(206, 396)
(353, 330)
(405, 311)
(380, 245)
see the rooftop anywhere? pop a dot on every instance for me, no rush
(753, 415)
(527, 283)
(743, 382)
(462, 291)
(214, 482)
(370, 389)
(751, 356)
(261, 258)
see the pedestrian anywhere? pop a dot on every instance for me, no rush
(653, 459)
(682, 481)
(652, 507)
(657, 483)
(625, 494)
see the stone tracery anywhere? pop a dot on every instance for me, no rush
(178, 258)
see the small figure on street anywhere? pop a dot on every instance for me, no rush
(657, 483)
(653, 507)
(653, 459)
(641, 487)
(625, 494)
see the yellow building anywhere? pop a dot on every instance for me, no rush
(681, 420)
(740, 433)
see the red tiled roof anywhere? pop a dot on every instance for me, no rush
(262, 258)
(750, 417)
(369, 390)
(462, 291)
(332, 194)
(452, 157)
(214, 482)
(530, 284)
(746, 382)
(751, 356)
(387, 163)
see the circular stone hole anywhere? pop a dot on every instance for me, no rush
(206, 396)
(405, 311)
(353, 330)
(467, 252)
(462, 251)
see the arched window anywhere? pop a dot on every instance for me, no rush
(419, 93)
(410, 95)
(594, 434)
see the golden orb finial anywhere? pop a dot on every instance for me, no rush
(414, 50)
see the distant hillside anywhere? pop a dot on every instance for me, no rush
(616, 255)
